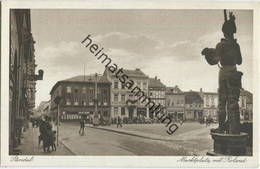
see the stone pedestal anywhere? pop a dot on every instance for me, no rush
(229, 144)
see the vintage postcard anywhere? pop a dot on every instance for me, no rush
(130, 83)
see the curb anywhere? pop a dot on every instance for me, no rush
(67, 147)
(136, 135)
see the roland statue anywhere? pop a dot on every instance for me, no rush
(227, 55)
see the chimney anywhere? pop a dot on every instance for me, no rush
(155, 78)
(201, 90)
(159, 80)
(138, 69)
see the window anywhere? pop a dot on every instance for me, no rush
(115, 85)
(84, 90)
(91, 92)
(76, 103)
(116, 97)
(68, 89)
(212, 101)
(122, 111)
(105, 101)
(105, 113)
(172, 103)
(76, 91)
(116, 110)
(68, 102)
(84, 103)
(207, 101)
(144, 85)
(123, 98)
(168, 103)
(123, 86)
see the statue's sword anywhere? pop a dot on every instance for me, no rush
(225, 15)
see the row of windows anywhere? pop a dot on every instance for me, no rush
(84, 90)
(139, 84)
(195, 105)
(116, 110)
(159, 101)
(116, 97)
(157, 94)
(177, 103)
(123, 98)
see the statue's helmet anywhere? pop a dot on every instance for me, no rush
(229, 26)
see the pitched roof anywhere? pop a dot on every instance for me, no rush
(173, 90)
(87, 78)
(154, 82)
(130, 73)
(193, 97)
(82, 78)
(135, 73)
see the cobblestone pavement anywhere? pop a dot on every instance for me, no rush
(191, 139)
(185, 132)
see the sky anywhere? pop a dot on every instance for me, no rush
(161, 42)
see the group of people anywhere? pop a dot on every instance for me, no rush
(47, 135)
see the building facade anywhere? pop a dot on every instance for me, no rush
(22, 76)
(246, 105)
(210, 104)
(43, 109)
(193, 106)
(122, 104)
(175, 103)
(79, 100)
(157, 91)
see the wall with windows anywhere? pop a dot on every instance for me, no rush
(80, 94)
(78, 99)
(210, 100)
(175, 100)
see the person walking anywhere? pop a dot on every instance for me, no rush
(119, 122)
(82, 127)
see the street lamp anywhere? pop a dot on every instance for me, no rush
(95, 118)
(57, 101)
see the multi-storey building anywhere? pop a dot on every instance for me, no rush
(210, 100)
(120, 95)
(22, 75)
(175, 103)
(210, 105)
(157, 92)
(43, 109)
(193, 106)
(78, 98)
(246, 105)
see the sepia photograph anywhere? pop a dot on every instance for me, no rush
(104, 82)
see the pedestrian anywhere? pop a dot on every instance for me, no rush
(53, 142)
(181, 121)
(82, 127)
(119, 122)
(46, 134)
